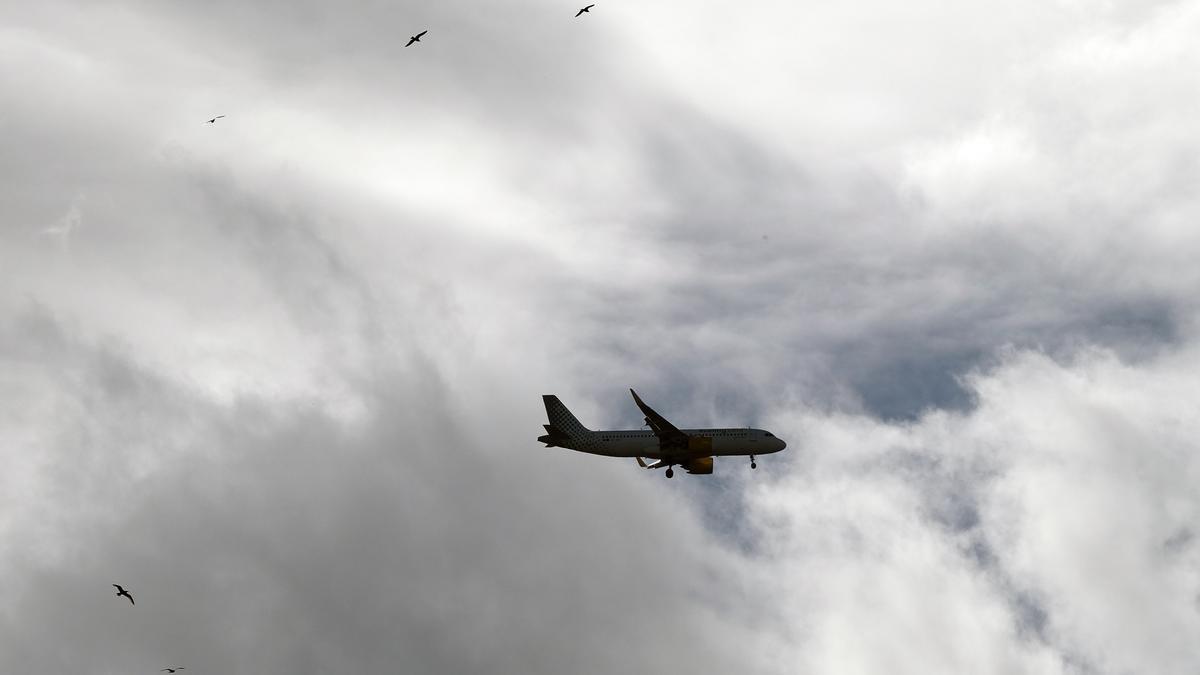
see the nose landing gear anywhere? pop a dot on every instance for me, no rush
(752, 464)
(670, 472)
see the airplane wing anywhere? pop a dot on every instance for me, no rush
(657, 465)
(669, 436)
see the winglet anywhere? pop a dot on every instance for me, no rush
(646, 410)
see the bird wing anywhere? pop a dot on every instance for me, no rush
(410, 41)
(422, 34)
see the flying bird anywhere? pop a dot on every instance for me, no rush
(214, 120)
(585, 9)
(123, 592)
(416, 38)
(171, 670)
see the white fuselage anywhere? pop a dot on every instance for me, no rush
(704, 443)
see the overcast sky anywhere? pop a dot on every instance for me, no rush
(280, 375)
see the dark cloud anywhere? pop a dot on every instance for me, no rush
(274, 538)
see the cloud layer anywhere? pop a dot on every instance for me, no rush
(280, 375)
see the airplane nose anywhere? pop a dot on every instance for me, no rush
(782, 444)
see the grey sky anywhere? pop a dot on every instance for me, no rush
(279, 376)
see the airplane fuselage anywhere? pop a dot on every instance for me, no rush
(702, 443)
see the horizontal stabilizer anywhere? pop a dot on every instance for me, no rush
(554, 437)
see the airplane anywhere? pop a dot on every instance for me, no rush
(691, 449)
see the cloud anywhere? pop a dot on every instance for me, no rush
(1035, 533)
(283, 381)
(272, 536)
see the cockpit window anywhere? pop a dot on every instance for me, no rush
(768, 434)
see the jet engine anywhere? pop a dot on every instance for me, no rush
(698, 465)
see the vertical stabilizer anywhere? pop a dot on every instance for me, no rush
(563, 425)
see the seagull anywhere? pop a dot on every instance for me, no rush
(122, 591)
(171, 670)
(416, 38)
(585, 9)
(214, 120)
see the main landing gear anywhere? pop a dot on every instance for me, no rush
(670, 472)
(752, 464)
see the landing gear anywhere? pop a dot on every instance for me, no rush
(670, 472)
(752, 464)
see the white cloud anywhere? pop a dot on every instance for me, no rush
(1031, 535)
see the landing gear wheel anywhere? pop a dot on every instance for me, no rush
(670, 472)
(752, 464)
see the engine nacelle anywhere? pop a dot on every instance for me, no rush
(699, 465)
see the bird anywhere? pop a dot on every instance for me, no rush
(122, 591)
(214, 120)
(171, 670)
(585, 9)
(416, 38)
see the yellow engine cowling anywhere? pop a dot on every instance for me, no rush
(699, 465)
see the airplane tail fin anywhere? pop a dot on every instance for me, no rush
(563, 425)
